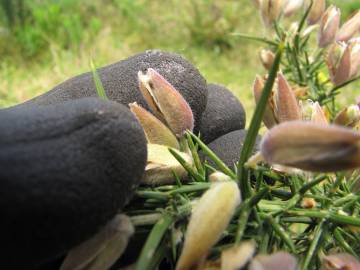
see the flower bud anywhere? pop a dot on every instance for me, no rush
(292, 6)
(318, 114)
(343, 61)
(277, 261)
(155, 131)
(166, 102)
(103, 249)
(269, 118)
(219, 177)
(329, 25)
(340, 261)
(161, 165)
(316, 11)
(267, 58)
(286, 105)
(208, 221)
(349, 116)
(270, 11)
(348, 30)
(312, 147)
(237, 257)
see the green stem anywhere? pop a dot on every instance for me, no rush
(313, 247)
(156, 235)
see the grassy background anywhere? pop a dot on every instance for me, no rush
(44, 42)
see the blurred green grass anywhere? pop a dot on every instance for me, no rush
(44, 42)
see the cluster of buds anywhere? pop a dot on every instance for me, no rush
(301, 136)
(171, 116)
(283, 105)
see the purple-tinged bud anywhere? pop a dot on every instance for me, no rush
(166, 102)
(155, 131)
(277, 261)
(270, 11)
(292, 6)
(350, 27)
(312, 147)
(339, 63)
(269, 118)
(329, 26)
(286, 106)
(267, 58)
(316, 11)
(340, 261)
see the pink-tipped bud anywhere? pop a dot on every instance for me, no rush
(329, 26)
(155, 131)
(267, 58)
(166, 101)
(312, 147)
(277, 261)
(269, 118)
(292, 6)
(287, 107)
(343, 61)
(340, 261)
(349, 29)
(270, 11)
(316, 12)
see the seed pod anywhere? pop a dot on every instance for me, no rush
(313, 147)
(209, 219)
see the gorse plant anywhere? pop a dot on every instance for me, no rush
(293, 205)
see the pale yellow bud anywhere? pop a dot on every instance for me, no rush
(209, 219)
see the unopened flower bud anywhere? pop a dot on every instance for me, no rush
(287, 107)
(340, 261)
(155, 131)
(237, 257)
(269, 118)
(277, 261)
(329, 26)
(312, 147)
(219, 177)
(292, 6)
(166, 102)
(161, 165)
(209, 219)
(270, 11)
(316, 11)
(349, 116)
(318, 114)
(267, 58)
(348, 30)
